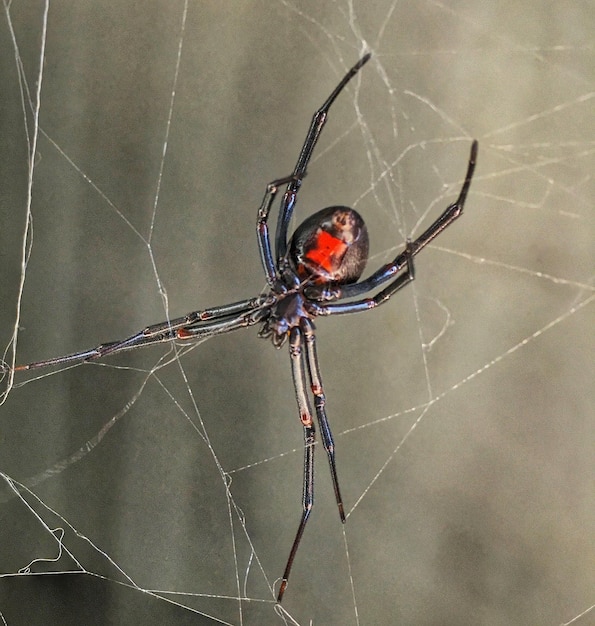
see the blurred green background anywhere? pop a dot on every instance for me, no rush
(462, 410)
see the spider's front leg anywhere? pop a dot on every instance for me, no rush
(320, 402)
(303, 356)
(301, 395)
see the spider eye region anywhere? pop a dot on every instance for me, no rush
(331, 246)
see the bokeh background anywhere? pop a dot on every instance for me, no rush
(161, 490)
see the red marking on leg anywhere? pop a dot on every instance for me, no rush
(306, 419)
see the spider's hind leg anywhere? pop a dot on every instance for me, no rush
(404, 279)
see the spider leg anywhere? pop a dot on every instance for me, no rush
(380, 298)
(213, 321)
(262, 228)
(299, 382)
(318, 121)
(387, 272)
(224, 326)
(293, 182)
(319, 403)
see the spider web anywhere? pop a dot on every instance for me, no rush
(163, 486)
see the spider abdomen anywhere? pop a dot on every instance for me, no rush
(330, 246)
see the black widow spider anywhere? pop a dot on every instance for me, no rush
(307, 278)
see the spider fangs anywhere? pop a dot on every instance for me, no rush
(310, 277)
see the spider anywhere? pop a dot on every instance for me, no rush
(307, 277)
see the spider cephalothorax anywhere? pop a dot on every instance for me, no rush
(314, 275)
